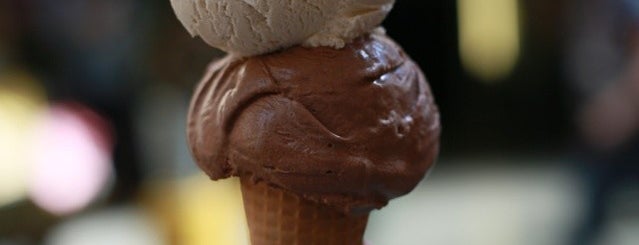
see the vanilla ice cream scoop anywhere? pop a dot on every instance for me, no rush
(253, 27)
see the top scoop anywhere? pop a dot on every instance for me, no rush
(253, 27)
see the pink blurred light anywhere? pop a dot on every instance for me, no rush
(71, 159)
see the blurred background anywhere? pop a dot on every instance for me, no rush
(539, 102)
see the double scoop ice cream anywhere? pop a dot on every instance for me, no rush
(322, 117)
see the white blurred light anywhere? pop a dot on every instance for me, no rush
(489, 37)
(20, 100)
(122, 226)
(484, 202)
(71, 165)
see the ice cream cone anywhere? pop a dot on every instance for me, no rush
(278, 217)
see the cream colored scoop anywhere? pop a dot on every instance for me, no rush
(253, 27)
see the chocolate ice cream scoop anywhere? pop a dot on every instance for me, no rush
(350, 128)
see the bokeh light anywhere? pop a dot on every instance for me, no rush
(489, 37)
(122, 226)
(211, 213)
(21, 99)
(71, 159)
(197, 211)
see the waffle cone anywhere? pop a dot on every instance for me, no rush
(277, 217)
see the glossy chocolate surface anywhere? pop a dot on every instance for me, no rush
(350, 128)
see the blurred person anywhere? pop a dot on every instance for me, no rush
(603, 62)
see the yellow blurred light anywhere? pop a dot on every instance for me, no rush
(489, 37)
(211, 213)
(20, 101)
(197, 211)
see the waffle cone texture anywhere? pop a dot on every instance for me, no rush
(278, 217)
